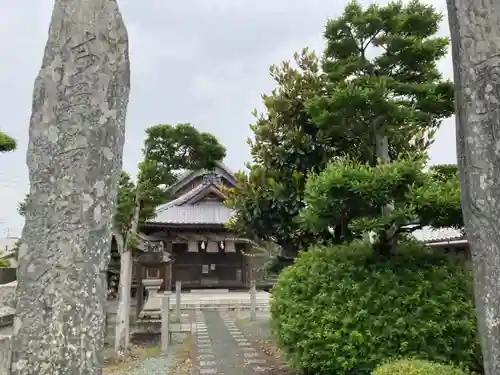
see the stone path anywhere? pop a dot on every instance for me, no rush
(221, 348)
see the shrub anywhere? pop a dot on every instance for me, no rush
(416, 367)
(341, 310)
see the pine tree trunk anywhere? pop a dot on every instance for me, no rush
(74, 160)
(476, 59)
(386, 244)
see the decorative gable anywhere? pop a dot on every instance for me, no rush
(202, 205)
(220, 176)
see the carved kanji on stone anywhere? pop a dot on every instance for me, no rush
(74, 158)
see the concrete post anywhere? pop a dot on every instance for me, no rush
(178, 288)
(253, 301)
(165, 324)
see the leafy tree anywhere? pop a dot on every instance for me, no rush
(167, 149)
(7, 143)
(437, 202)
(416, 367)
(393, 102)
(368, 109)
(287, 145)
(342, 310)
(444, 171)
(125, 202)
(21, 206)
(351, 194)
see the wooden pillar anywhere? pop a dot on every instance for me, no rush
(168, 267)
(230, 247)
(140, 287)
(167, 278)
(246, 268)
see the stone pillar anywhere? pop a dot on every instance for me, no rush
(253, 301)
(74, 159)
(178, 289)
(165, 323)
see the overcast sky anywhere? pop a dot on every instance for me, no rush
(199, 61)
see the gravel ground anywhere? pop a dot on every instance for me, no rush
(156, 366)
(147, 359)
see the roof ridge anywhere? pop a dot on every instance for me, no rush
(185, 197)
(187, 175)
(178, 201)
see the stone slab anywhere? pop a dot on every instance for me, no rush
(8, 294)
(5, 353)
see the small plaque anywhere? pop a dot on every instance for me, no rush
(204, 269)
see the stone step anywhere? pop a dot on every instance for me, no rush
(208, 291)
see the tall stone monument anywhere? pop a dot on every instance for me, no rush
(475, 39)
(76, 138)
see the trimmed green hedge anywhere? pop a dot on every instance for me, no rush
(416, 367)
(341, 310)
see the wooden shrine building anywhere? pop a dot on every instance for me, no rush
(187, 240)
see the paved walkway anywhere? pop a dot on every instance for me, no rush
(222, 349)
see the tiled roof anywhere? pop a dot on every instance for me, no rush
(430, 235)
(180, 211)
(202, 213)
(182, 199)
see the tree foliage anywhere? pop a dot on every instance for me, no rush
(399, 92)
(349, 195)
(125, 202)
(335, 107)
(7, 143)
(341, 310)
(167, 149)
(287, 145)
(416, 367)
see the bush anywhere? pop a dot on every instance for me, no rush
(341, 310)
(416, 367)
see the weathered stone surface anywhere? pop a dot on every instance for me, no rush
(74, 158)
(8, 294)
(476, 58)
(5, 353)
